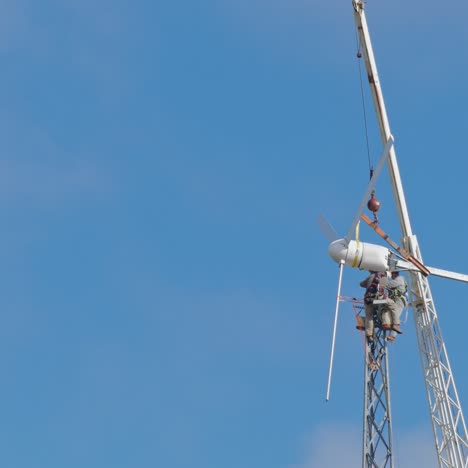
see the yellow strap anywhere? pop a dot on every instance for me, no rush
(357, 246)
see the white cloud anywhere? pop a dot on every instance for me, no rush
(340, 444)
(331, 446)
(415, 448)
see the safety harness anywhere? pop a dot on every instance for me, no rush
(398, 293)
(373, 289)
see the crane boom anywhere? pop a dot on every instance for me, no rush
(446, 413)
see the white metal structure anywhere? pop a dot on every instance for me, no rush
(448, 423)
(377, 425)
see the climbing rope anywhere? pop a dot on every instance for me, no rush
(373, 203)
(359, 56)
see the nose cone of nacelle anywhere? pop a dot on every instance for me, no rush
(338, 250)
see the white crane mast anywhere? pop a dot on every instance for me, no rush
(448, 423)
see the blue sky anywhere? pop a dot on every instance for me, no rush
(167, 296)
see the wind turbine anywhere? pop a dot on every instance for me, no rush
(371, 257)
(448, 424)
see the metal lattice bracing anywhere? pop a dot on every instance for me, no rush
(444, 405)
(377, 429)
(377, 426)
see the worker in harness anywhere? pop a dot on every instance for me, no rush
(373, 290)
(396, 289)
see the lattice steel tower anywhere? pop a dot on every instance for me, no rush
(448, 423)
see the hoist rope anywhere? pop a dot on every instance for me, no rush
(363, 103)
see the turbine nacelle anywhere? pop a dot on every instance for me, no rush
(356, 254)
(371, 257)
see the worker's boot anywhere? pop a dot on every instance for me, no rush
(396, 327)
(360, 325)
(386, 320)
(370, 338)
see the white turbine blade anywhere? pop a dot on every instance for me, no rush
(330, 369)
(370, 186)
(327, 229)
(448, 274)
(403, 265)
